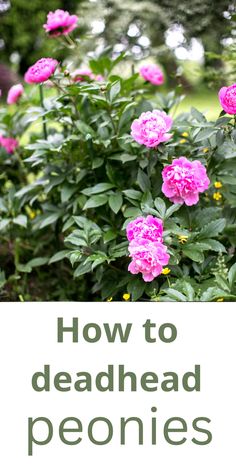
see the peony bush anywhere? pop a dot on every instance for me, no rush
(106, 192)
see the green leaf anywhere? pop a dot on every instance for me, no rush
(222, 282)
(99, 188)
(2, 278)
(98, 261)
(204, 134)
(123, 157)
(202, 246)
(193, 254)
(37, 262)
(84, 128)
(4, 223)
(50, 219)
(75, 240)
(115, 201)
(136, 287)
(175, 295)
(83, 269)
(198, 115)
(212, 293)
(58, 256)
(119, 250)
(21, 220)
(133, 194)
(96, 201)
(3, 206)
(24, 268)
(227, 150)
(219, 137)
(147, 201)
(114, 90)
(143, 181)
(97, 162)
(109, 236)
(69, 222)
(160, 206)
(214, 245)
(126, 115)
(212, 229)
(67, 191)
(232, 275)
(228, 179)
(132, 212)
(172, 210)
(189, 291)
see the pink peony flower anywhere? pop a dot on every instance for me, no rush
(227, 97)
(148, 257)
(79, 75)
(152, 73)
(41, 70)
(99, 78)
(60, 22)
(151, 128)
(149, 228)
(183, 180)
(14, 93)
(10, 144)
(83, 74)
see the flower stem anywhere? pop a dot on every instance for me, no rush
(42, 105)
(70, 41)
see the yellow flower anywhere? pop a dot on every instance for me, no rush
(220, 300)
(31, 213)
(185, 134)
(42, 197)
(218, 184)
(8, 184)
(182, 141)
(126, 296)
(217, 196)
(182, 238)
(109, 299)
(166, 271)
(31, 177)
(205, 149)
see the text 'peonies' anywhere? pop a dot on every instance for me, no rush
(183, 180)
(41, 71)
(152, 74)
(14, 94)
(227, 97)
(60, 22)
(151, 128)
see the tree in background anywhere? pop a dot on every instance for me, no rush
(22, 38)
(143, 26)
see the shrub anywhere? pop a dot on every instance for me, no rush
(68, 195)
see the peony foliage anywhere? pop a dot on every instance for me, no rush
(107, 193)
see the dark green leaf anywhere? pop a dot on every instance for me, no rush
(96, 201)
(115, 201)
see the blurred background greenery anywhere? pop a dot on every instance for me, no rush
(194, 42)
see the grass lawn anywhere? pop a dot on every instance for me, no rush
(206, 102)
